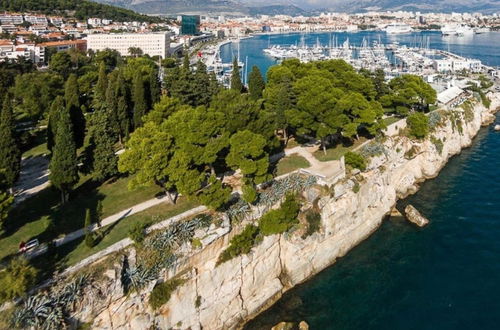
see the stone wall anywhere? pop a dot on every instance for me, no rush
(237, 290)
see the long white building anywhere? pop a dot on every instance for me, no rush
(152, 44)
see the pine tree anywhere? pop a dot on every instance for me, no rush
(64, 165)
(100, 88)
(56, 108)
(236, 83)
(89, 235)
(256, 83)
(72, 98)
(154, 88)
(10, 155)
(6, 200)
(185, 63)
(139, 99)
(105, 160)
(122, 107)
(112, 102)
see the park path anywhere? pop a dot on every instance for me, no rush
(323, 168)
(34, 177)
(94, 227)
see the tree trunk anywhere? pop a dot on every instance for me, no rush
(285, 135)
(323, 145)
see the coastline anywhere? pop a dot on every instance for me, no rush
(233, 293)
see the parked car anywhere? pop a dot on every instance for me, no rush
(30, 245)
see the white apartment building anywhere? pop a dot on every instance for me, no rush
(454, 65)
(152, 44)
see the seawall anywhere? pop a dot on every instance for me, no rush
(226, 296)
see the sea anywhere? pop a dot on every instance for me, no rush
(443, 276)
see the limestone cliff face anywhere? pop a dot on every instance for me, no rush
(237, 290)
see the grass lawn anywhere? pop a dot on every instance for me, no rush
(391, 120)
(338, 151)
(32, 217)
(39, 145)
(119, 230)
(291, 163)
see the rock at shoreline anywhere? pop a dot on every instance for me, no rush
(497, 128)
(291, 326)
(395, 213)
(415, 217)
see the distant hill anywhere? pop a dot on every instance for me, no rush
(446, 6)
(172, 7)
(81, 9)
(290, 10)
(301, 7)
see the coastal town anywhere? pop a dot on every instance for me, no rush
(147, 182)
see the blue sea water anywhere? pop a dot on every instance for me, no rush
(443, 276)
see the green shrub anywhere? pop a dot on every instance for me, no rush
(356, 187)
(355, 160)
(196, 243)
(313, 219)
(485, 100)
(418, 124)
(280, 220)
(16, 279)
(240, 244)
(136, 233)
(438, 144)
(197, 302)
(161, 292)
(249, 193)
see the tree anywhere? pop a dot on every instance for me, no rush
(409, 92)
(10, 155)
(111, 108)
(316, 115)
(214, 194)
(147, 154)
(72, 98)
(122, 107)
(256, 83)
(6, 200)
(236, 83)
(100, 88)
(16, 279)
(34, 93)
(418, 124)
(154, 88)
(360, 112)
(55, 110)
(60, 63)
(105, 162)
(247, 154)
(89, 234)
(64, 165)
(139, 100)
(278, 99)
(135, 51)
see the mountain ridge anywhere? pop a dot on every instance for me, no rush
(297, 7)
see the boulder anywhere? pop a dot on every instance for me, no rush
(415, 217)
(497, 127)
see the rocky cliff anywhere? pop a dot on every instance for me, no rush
(225, 296)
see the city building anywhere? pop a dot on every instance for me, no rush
(152, 44)
(190, 24)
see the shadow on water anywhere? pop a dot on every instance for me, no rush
(443, 276)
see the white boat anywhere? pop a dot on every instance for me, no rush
(456, 30)
(482, 30)
(465, 30)
(449, 30)
(398, 28)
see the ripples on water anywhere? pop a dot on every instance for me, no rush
(444, 276)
